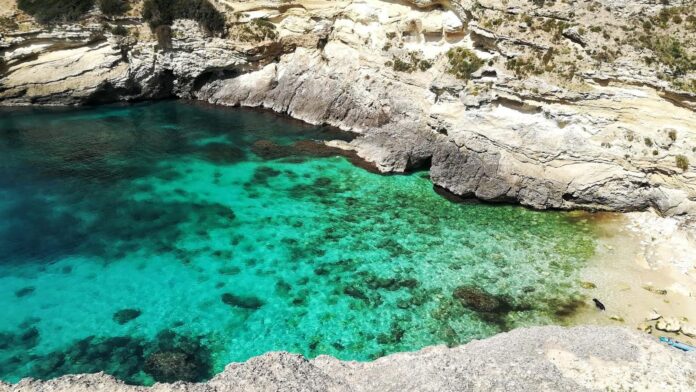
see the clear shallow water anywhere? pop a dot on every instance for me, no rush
(163, 241)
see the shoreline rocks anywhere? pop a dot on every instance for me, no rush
(601, 141)
(587, 358)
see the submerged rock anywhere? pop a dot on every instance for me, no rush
(391, 284)
(479, 300)
(222, 153)
(23, 292)
(395, 335)
(125, 315)
(267, 149)
(170, 366)
(355, 292)
(244, 302)
(263, 173)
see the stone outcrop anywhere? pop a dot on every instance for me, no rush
(529, 359)
(564, 113)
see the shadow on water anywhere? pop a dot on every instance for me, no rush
(69, 171)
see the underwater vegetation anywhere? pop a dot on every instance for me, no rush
(159, 242)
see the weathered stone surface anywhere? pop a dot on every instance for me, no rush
(652, 316)
(688, 330)
(668, 324)
(529, 359)
(593, 127)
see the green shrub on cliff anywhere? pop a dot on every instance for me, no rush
(463, 62)
(113, 7)
(163, 12)
(119, 30)
(8, 23)
(257, 30)
(412, 63)
(51, 11)
(682, 162)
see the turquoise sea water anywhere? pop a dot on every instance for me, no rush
(163, 241)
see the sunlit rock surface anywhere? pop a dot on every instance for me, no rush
(530, 359)
(564, 113)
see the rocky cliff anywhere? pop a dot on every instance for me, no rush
(534, 359)
(566, 104)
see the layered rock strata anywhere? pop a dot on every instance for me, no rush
(573, 105)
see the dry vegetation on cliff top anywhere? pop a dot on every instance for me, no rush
(562, 41)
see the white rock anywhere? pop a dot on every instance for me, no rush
(668, 324)
(652, 316)
(688, 330)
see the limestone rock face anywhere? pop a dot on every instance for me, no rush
(564, 111)
(688, 330)
(669, 324)
(528, 359)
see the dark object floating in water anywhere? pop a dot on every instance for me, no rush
(598, 304)
(125, 315)
(241, 301)
(23, 292)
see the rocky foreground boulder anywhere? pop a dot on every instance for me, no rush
(527, 359)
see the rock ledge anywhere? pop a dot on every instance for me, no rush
(586, 358)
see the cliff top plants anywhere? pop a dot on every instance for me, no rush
(51, 11)
(56, 11)
(163, 12)
(113, 7)
(463, 62)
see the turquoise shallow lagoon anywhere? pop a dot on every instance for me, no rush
(162, 241)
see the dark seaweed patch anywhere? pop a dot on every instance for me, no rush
(23, 292)
(479, 300)
(23, 340)
(229, 270)
(244, 302)
(39, 230)
(262, 174)
(355, 292)
(125, 315)
(126, 358)
(221, 153)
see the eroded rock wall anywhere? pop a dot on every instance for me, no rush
(565, 111)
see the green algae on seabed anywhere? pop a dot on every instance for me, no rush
(156, 242)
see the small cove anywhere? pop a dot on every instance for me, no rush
(161, 241)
